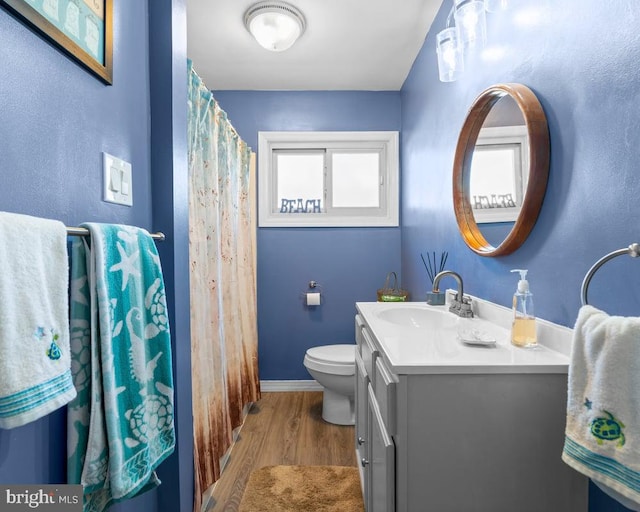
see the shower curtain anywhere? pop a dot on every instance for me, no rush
(222, 228)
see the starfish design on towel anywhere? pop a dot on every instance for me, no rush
(127, 265)
(155, 257)
(76, 290)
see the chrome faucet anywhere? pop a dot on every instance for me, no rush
(460, 305)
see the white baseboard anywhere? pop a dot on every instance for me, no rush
(289, 385)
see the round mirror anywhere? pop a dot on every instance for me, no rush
(500, 169)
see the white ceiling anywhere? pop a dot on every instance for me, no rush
(348, 45)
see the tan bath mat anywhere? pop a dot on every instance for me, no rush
(303, 488)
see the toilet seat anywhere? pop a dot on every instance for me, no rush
(334, 359)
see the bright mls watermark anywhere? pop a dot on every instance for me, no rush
(49, 498)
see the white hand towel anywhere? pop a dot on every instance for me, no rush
(602, 437)
(35, 376)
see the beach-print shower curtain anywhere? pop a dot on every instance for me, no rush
(224, 347)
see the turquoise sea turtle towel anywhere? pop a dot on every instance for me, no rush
(120, 426)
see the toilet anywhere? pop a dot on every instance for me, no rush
(334, 367)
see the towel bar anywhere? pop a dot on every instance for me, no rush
(85, 232)
(633, 250)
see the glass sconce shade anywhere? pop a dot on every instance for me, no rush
(450, 61)
(275, 25)
(471, 22)
(496, 5)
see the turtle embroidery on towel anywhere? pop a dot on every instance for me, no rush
(53, 351)
(608, 429)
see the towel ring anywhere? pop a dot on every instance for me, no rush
(633, 250)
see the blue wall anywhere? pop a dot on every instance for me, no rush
(349, 263)
(169, 181)
(57, 119)
(589, 86)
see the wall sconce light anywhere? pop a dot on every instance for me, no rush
(275, 25)
(468, 35)
(496, 5)
(450, 61)
(471, 23)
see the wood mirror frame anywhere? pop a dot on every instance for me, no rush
(538, 133)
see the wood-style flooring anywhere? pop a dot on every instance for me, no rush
(281, 428)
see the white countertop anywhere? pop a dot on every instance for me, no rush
(417, 349)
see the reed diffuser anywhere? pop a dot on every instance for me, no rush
(430, 266)
(435, 298)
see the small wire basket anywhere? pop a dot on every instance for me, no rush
(392, 293)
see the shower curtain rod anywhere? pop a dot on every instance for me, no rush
(85, 232)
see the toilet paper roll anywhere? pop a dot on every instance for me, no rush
(313, 299)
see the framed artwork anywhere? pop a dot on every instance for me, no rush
(83, 29)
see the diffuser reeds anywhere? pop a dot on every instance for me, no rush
(431, 266)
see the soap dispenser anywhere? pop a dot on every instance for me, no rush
(523, 329)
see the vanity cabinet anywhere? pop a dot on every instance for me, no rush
(447, 441)
(381, 460)
(362, 423)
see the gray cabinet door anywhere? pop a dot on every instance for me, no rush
(362, 434)
(381, 461)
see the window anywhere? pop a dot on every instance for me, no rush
(499, 173)
(327, 179)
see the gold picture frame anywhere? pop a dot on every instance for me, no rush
(83, 29)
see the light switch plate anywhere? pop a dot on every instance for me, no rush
(117, 186)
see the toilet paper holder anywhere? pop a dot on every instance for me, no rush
(312, 298)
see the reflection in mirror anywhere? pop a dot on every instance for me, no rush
(500, 169)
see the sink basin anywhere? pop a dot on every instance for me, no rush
(418, 317)
(436, 323)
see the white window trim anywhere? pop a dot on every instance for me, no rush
(388, 141)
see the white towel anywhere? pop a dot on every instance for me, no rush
(602, 437)
(35, 376)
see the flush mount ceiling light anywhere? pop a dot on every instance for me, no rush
(275, 25)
